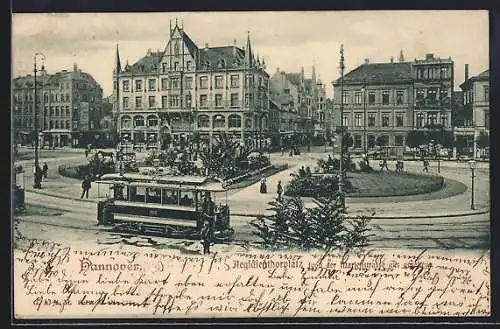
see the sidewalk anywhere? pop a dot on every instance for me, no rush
(250, 202)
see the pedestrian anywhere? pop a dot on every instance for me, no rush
(206, 238)
(384, 165)
(86, 185)
(279, 189)
(263, 185)
(426, 166)
(45, 170)
(38, 177)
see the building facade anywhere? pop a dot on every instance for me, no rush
(383, 102)
(68, 108)
(171, 95)
(476, 108)
(302, 103)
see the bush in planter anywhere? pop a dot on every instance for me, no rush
(314, 186)
(364, 166)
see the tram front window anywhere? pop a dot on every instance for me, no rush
(187, 199)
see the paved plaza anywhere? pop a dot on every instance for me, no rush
(410, 221)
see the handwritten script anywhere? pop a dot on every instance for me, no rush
(56, 280)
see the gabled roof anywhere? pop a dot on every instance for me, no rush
(191, 46)
(483, 76)
(378, 73)
(294, 78)
(231, 56)
(148, 64)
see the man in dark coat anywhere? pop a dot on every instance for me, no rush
(86, 185)
(45, 170)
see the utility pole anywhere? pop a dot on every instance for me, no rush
(341, 166)
(37, 180)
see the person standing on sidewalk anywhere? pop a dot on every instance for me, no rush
(45, 170)
(279, 190)
(426, 165)
(86, 185)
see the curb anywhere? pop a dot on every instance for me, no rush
(348, 216)
(415, 216)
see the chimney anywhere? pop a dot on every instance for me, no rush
(367, 61)
(149, 52)
(392, 59)
(75, 67)
(466, 72)
(429, 56)
(235, 43)
(206, 45)
(277, 70)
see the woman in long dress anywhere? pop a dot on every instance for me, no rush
(263, 185)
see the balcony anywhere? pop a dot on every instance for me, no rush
(424, 102)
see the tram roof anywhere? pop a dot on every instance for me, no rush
(165, 181)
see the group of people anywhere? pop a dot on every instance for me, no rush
(40, 175)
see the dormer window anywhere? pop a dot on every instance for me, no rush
(206, 65)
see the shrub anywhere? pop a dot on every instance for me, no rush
(292, 226)
(364, 166)
(314, 186)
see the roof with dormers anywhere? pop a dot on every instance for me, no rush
(378, 73)
(27, 81)
(483, 76)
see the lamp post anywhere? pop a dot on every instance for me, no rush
(341, 166)
(365, 142)
(472, 165)
(37, 180)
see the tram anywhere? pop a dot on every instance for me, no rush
(162, 205)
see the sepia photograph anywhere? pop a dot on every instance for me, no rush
(250, 164)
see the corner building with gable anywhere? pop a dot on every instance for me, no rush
(186, 91)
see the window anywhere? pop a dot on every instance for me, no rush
(174, 101)
(203, 101)
(152, 102)
(443, 93)
(486, 93)
(57, 124)
(126, 122)
(188, 66)
(357, 120)
(286, 91)
(203, 121)
(345, 120)
(219, 121)
(152, 121)
(164, 67)
(235, 81)
(203, 82)
(139, 121)
(371, 141)
(164, 102)
(176, 66)
(218, 100)
(174, 83)
(138, 102)
(91, 124)
(385, 119)
(218, 81)
(420, 120)
(431, 94)
(164, 83)
(234, 121)
(371, 98)
(357, 97)
(444, 119)
(176, 48)
(399, 120)
(189, 83)
(234, 100)
(398, 140)
(385, 98)
(420, 93)
(57, 111)
(357, 141)
(399, 97)
(371, 120)
(138, 85)
(248, 99)
(444, 73)
(250, 80)
(345, 98)
(126, 85)
(188, 101)
(68, 113)
(152, 84)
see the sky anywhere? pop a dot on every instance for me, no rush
(286, 40)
